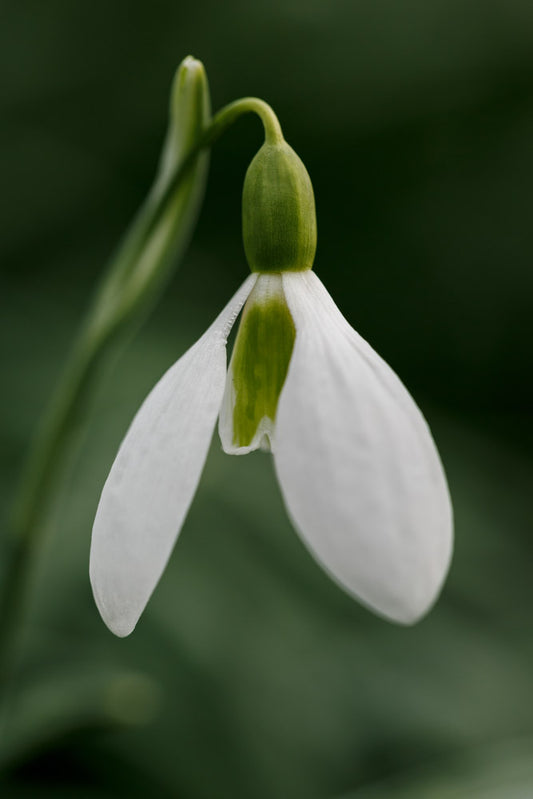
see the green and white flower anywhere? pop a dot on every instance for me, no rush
(357, 466)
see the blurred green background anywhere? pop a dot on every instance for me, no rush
(251, 675)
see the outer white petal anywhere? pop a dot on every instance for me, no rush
(153, 479)
(358, 468)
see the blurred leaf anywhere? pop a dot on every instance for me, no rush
(497, 771)
(67, 702)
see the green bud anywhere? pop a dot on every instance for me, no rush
(163, 228)
(278, 211)
(190, 113)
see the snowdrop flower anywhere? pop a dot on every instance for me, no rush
(358, 470)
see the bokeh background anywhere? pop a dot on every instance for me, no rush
(251, 675)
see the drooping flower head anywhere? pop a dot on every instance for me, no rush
(358, 469)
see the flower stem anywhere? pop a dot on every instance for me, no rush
(130, 287)
(219, 124)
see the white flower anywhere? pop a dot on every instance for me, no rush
(359, 472)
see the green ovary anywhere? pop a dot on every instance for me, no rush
(260, 363)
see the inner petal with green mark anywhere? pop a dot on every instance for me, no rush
(258, 368)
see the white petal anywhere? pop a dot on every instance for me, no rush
(358, 468)
(155, 474)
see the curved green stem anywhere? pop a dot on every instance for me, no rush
(223, 120)
(246, 105)
(130, 287)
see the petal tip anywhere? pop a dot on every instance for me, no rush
(120, 627)
(114, 613)
(408, 615)
(119, 623)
